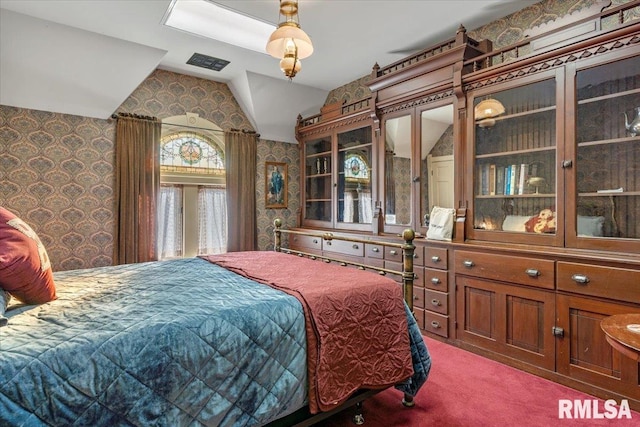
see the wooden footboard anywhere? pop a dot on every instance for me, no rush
(407, 254)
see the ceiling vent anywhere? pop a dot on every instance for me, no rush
(209, 62)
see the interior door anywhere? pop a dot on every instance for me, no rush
(442, 182)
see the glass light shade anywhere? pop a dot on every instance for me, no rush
(290, 66)
(488, 108)
(287, 31)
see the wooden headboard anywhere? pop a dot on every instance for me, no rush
(407, 254)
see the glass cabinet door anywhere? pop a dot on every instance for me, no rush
(355, 204)
(515, 162)
(607, 133)
(318, 191)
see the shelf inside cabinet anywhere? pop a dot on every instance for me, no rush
(319, 175)
(511, 153)
(318, 200)
(608, 96)
(514, 196)
(324, 153)
(355, 147)
(609, 141)
(616, 194)
(524, 113)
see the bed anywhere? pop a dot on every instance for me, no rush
(206, 341)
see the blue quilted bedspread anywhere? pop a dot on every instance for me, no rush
(157, 344)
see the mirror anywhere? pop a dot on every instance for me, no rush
(397, 166)
(436, 162)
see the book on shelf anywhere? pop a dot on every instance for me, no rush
(492, 179)
(512, 179)
(522, 178)
(500, 180)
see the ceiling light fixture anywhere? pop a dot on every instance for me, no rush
(486, 112)
(289, 43)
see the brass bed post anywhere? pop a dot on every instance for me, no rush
(278, 234)
(408, 249)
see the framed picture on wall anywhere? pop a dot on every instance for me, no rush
(276, 187)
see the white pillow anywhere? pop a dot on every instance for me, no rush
(590, 225)
(515, 223)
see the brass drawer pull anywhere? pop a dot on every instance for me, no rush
(435, 324)
(580, 278)
(435, 258)
(416, 297)
(435, 302)
(315, 241)
(532, 272)
(435, 281)
(415, 255)
(374, 249)
(393, 252)
(468, 263)
(328, 242)
(355, 246)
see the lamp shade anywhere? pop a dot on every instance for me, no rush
(488, 108)
(286, 33)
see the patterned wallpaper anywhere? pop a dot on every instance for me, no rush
(56, 170)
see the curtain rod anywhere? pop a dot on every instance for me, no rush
(140, 117)
(211, 130)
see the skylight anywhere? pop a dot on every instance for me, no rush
(208, 19)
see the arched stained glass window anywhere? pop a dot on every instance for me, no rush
(193, 153)
(356, 168)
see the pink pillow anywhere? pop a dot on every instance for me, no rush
(25, 269)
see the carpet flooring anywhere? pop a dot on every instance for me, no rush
(467, 390)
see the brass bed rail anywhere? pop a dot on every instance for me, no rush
(407, 248)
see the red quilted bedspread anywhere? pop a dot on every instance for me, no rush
(356, 323)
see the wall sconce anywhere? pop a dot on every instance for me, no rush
(288, 42)
(486, 112)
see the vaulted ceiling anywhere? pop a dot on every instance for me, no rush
(85, 57)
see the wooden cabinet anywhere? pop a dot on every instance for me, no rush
(337, 159)
(503, 311)
(557, 164)
(583, 352)
(545, 148)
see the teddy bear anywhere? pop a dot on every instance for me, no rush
(545, 222)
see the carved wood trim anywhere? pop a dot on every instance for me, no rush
(555, 62)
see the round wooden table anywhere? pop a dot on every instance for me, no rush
(623, 333)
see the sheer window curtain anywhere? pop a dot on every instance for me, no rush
(240, 165)
(365, 207)
(212, 220)
(170, 222)
(137, 173)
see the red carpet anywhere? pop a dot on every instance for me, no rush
(465, 389)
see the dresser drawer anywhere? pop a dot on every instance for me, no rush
(436, 301)
(418, 297)
(513, 269)
(435, 258)
(305, 242)
(436, 323)
(607, 282)
(418, 256)
(436, 279)
(343, 247)
(374, 251)
(393, 254)
(374, 262)
(396, 266)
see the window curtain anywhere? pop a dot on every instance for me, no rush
(240, 165)
(347, 215)
(137, 171)
(212, 220)
(170, 222)
(365, 207)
